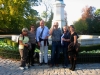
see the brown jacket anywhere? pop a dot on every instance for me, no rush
(71, 46)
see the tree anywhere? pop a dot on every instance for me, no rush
(49, 22)
(48, 8)
(81, 26)
(45, 15)
(88, 12)
(97, 13)
(93, 25)
(16, 14)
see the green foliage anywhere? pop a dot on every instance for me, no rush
(97, 13)
(49, 22)
(16, 14)
(93, 25)
(86, 53)
(89, 22)
(45, 15)
(89, 48)
(81, 26)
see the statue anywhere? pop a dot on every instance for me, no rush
(58, 0)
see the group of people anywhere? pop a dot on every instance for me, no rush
(61, 40)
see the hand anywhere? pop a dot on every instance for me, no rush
(38, 43)
(46, 37)
(63, 39)
(21, 35)
(26, 45)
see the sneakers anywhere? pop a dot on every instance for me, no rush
(26, 67)
(22, 68)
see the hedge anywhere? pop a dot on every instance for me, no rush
(82, 58)
(14, 54)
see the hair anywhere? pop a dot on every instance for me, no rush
(72, 26)
(25, 30)
(42, 21)
(32, 25)
(66, 28)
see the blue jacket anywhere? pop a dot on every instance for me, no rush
(66, 36)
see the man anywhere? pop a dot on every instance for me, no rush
(42, 34)
(55, 32)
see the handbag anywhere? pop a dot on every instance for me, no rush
(77, 46)
(71, 46)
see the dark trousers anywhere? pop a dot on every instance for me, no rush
(55, 52)
(30, 59)
(65, 55)
(24, 55)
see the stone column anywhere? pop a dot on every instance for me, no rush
(58, 10)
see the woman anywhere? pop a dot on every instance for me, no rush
(65, 40)
(32, 40)
(23, 47)
(72, 53)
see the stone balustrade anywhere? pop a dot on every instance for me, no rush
(83, 39)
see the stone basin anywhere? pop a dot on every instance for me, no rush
(83, 39)
(89, 40)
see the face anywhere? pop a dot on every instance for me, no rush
(42, 23)
(24, 32)
(32, 28)
(55, 25)
(71, 28)
(65, 29)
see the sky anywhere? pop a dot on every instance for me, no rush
(73, 8)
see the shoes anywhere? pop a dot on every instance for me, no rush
(32, 64)
(51, 65)
(22, 68)
(40, 64)
(56, 65)
(46, 63)
(70, 68)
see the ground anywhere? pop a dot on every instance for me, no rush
(11, 67)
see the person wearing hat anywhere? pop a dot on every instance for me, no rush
(23, 47)
(55, 33)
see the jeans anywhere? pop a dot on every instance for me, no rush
(55, 52)
(65, 55)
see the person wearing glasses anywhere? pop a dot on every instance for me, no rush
(55, 33)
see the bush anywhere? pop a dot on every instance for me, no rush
(89, 48)
(14, 44)
(86, 53)
(14, 54)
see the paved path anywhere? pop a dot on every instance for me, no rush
(9, 67)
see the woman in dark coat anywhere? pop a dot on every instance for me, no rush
(65, 40)
(72, 52)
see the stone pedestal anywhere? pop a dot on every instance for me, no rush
(58, 11)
